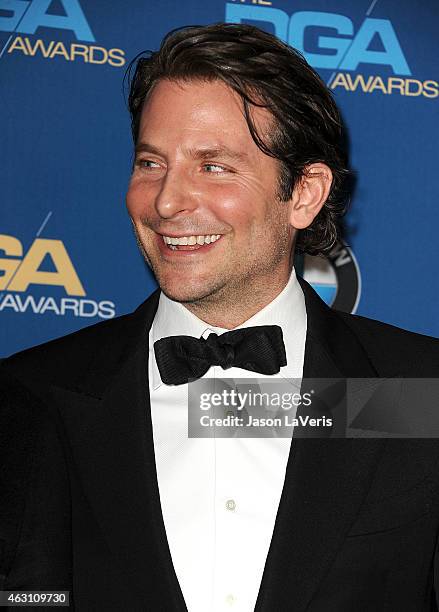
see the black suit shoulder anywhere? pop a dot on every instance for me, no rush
(68, 354)
(392, 348)
(69, 358)
(35, 493)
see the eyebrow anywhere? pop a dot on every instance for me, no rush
(220, 151)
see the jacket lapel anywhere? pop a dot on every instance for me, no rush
(326, 479)
(108, 426)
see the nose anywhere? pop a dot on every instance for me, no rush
(176, 195)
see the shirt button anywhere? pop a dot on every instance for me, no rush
(230, 599)
(230, 504)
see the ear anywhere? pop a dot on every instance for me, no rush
(310, 194)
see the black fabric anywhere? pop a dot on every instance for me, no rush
(184, 358)
(16, 440)
(358, 520)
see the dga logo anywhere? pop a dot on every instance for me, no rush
(27, 16)
(346, 50)
(20, 271)
(336, 277)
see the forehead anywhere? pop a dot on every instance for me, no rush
(202, 110)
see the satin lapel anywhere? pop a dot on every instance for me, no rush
(112, 452)
(326, 479)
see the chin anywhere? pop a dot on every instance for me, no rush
(183, 295)
(180, 291)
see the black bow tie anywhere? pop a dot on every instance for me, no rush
(184, 358)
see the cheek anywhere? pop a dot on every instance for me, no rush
(138, 199)
(249, 198)
(132, 200)
(237, 203)
(249, 212)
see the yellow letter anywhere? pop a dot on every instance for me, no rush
(339, 81)
(11, 246)
(18, 43)
(65, 276)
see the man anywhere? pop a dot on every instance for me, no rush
(238, 164)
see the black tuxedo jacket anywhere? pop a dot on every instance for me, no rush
(357, 525)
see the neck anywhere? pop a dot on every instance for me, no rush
(234, 308)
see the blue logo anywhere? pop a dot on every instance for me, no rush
(336, 277)
(344, 51)
(27, 16)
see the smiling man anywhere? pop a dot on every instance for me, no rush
(238, 166)
(204, 201)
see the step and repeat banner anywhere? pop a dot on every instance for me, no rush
(67, 254)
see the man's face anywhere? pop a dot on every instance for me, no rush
(200, 178)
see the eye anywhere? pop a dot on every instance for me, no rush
(147, 164)
(214, 168)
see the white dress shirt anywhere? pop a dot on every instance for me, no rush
(220, 496)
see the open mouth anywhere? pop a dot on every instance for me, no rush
(189, 243)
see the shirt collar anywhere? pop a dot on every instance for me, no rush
(287, 310)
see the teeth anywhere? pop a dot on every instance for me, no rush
(184, 240)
